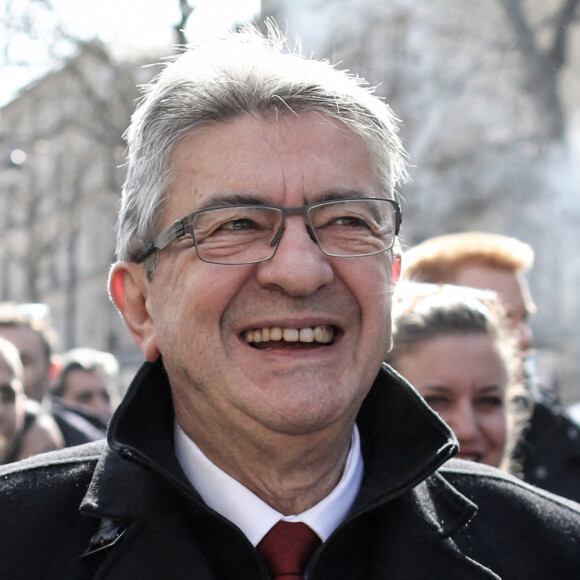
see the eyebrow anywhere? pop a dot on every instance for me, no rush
(234, 199)
(337, 194)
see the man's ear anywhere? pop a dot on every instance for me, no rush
(54, 370)
(129, 290)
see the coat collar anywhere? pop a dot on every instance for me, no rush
(403, 443)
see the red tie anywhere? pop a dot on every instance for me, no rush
(286, 549)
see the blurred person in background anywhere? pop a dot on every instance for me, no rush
(454, 346)
(86, 385)
(28, 327)
(12, 397)
(22, 433)
(550, 446)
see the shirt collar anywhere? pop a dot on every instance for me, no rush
(253, 516)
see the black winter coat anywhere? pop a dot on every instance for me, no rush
(125, 510)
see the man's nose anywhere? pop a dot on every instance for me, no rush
(299, 266)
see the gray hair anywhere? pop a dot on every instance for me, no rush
(246, 73)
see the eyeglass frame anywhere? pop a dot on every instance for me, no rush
(178, 229)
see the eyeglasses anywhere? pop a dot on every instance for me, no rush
(248, 234)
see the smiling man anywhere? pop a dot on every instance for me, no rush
(263, 438)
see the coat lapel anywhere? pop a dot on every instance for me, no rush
(153, 523)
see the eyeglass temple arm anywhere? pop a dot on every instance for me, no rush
(174, 231)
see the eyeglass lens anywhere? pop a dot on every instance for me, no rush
(344, 228)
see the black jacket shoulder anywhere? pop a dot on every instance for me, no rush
(40, 497)
(48, 469)
(515, 521)
(478, 481)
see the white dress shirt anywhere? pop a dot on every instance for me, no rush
(253, 516)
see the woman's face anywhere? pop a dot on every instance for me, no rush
(463, 377)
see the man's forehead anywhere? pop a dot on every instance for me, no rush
(262, 156)
(25, 338)
(84, 377)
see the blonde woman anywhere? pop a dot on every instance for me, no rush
(454, 347)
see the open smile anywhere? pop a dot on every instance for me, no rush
(268, 338)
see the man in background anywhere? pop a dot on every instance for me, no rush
(28, 327)
(25, 326)
(85, 387)
(22, 433)
(550, 447)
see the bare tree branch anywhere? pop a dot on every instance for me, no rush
(559, 48)
(543, 67)
(525, 35)
(186, 10)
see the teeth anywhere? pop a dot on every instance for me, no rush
(291, 334)
(322, 334)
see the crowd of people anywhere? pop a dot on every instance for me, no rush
(264, 437)
(51, 400)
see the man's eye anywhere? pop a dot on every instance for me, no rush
(351, 221)
(238, 225)
(348, 221)
(7, 394)
(84, 397)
